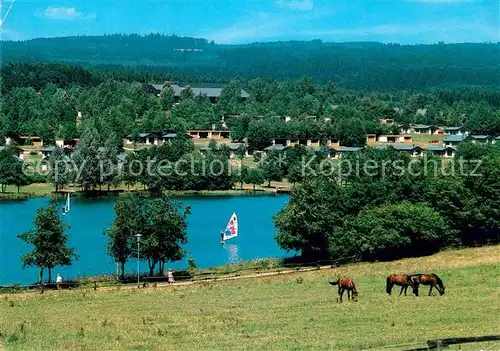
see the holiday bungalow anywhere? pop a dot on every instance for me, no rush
(427, 129)
(209, 134)
(412, 150)
(452, 130)
(442, 151)
(25, 140)
(371, 138)
(479, 138)
(168, 137)
(67, 143)
(47, 151)
(392, 139)
(329, 151)
(233, 149)
(212, 91)
(142, 138)
(345, 149)
(280, 148)
(453, 140)
(386, 121)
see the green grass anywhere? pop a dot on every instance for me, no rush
(284, 312)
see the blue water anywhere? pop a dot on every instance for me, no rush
(88, 218)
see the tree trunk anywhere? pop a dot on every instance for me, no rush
(57, 187)
(241, 188)
(50, 274)
(269, 183)
(152, 265)
(40, 277)
(162, 267)
(254, 187)
(18, 189)
(122, 275)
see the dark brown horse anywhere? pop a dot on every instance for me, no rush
(427, 279)
(344, 284)
(401, 280)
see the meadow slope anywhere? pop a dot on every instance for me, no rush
(293, 311)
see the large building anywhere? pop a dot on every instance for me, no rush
(212, 91)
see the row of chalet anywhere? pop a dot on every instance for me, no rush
(390, 139)
(454, 140)
(433, 130)
(211, 91)
(161, 138)
(337, 152)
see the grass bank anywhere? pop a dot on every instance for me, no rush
(283, 312)
(47, 190)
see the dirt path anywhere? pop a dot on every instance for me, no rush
(233, 277)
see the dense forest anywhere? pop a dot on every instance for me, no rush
(372, 66)
(44, 98)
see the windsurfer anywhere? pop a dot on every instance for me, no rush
(222, 234)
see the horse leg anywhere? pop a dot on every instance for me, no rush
(402, 287)
(348, 295)
(341, 292)
(406, 288)
(430, 290)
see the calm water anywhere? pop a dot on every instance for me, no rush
(88, 219)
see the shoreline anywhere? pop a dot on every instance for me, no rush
(116, 192)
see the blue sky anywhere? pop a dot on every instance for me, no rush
(239, 21)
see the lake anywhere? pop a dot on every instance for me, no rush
(89, 217)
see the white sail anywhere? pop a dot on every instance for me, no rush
(231, 228)
(68, 204)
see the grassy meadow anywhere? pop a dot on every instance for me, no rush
(284, 312)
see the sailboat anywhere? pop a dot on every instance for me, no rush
(67, 207)
(231, 230)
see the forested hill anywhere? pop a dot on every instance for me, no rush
(371, 66)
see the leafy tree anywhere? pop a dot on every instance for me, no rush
(241, 151)
(162, 223)
(49, 242)
(390, 232)
(240, 175)
(351, 132)
(86, 158)
(60, 169)
(167, 98)
(310, 216)
(254, 176)
(272, 167)
(11, 170)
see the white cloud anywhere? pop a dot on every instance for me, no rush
(299, 5)
(432, 32)
(62, 13)
(259, 26)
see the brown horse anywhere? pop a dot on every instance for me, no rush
(344, 284)
(427, 279)
(401, 280)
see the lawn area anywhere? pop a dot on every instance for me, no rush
(284, 312)
(423, 140)
(38, 189)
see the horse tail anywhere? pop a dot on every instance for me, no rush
(388, 285)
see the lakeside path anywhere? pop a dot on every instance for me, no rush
(447, 259)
